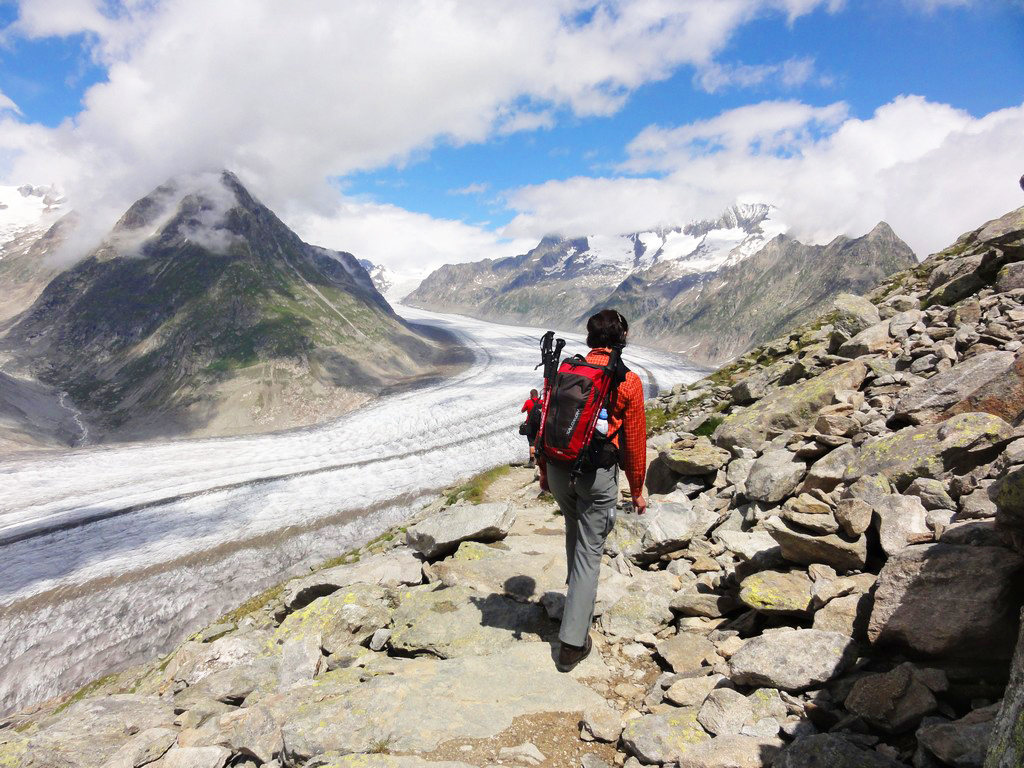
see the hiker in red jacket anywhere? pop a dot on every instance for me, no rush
(532, 424)
(588, 501)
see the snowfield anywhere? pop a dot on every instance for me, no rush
(111, 555)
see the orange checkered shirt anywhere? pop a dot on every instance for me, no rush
(628, 413)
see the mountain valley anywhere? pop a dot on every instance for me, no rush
(709, 290)
(201, 313)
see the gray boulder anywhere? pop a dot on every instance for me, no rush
(932, 493)
(893, 701)
(871, 340)
(926, 402)
(457, 622)
(346, 617)
(792, 659)
(930, 450)
(852, 314)
(777, 592)
(666, 527)
(687, 652)
(900, 518)
(395, 568)
(664, 738)
(854, 516)
(840, 552)
(963, 742)
(828, 472)
(774, 476)
(441, 534)
(142, 749)
(700, 458)
(833, 751)
(943, 599)
(522, 567)
(92, 730)
(847, 615)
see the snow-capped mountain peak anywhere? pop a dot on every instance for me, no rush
(698, 247)
(27, 208)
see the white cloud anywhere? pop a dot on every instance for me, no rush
(401, 239)
(292, 94)
(471, 189)
(931, 171)
(791, 73)
(6, 103)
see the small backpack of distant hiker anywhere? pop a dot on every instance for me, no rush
(574, 396)
(533, 417)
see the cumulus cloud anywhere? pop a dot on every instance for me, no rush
(291, 95)
(401, 239)
(930, 170)
(295, 96)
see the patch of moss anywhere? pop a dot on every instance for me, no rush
(473, 490)
(252, 604)
(85, 691)
(709, 426)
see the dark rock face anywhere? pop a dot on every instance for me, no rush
(941, 599)
(1007, 740)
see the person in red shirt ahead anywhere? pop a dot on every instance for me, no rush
(588, 504)
(532, 424)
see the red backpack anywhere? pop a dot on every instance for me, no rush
(573, 397)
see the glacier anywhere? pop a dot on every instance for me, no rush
(111, 555)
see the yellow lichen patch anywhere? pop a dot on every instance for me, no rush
(473, 550)
(13, 747)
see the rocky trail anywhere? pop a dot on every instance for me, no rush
(829, 575)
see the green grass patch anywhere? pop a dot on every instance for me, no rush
(473, 489)
(85, 691)
(709, 426)
(657, 418)
(252, 604)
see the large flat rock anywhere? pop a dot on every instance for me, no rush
(425, 702)
(395, 568)
(666, 527)
(926, 402)
(524, 567)
(792, 659)
(441, 534)
(929, 450)
(1002, 396)
(90, 731)
(456, 621)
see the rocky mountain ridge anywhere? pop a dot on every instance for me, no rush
(710, 290)
(828, 575)
(202, 313)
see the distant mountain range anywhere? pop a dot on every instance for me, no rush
(202, 313)
(710, 290)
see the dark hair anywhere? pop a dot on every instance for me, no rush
(606, 329)
(534, 393)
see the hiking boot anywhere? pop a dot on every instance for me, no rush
(530, 464)
(570, 655)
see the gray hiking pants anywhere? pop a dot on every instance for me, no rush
(589, 510)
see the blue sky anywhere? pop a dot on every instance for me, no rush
(427, 145)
